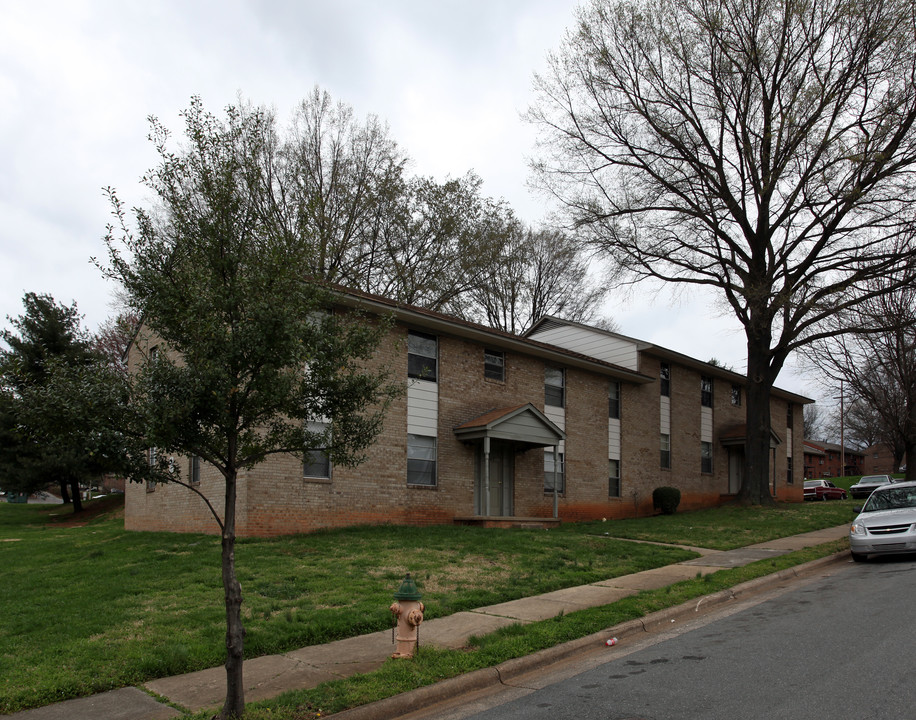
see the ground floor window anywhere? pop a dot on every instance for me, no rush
(421, 460)
(613, 482)
(153, 457)
(549, 472)
(316, 463)
(665, 451)
(194, 470)
(706, 457)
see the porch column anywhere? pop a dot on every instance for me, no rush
(486, 475)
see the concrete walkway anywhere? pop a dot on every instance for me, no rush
(267, 677)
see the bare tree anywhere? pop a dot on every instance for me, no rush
(762, 148)
(113, 337)
(337, 177)
(436, 244)
(878, 371)
(813, 421)
(538, 272)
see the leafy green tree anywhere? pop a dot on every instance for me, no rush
(250, 363)
(764, 149)
(42, 341)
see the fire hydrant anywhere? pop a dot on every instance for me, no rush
(408, 610)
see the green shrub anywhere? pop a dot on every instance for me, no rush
(666, 499)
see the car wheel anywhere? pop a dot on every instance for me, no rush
(824, 497)
(859, 557)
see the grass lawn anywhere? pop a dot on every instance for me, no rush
(92, 607)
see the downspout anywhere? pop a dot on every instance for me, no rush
(556, 496)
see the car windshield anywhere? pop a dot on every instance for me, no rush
(891, 499)
(874, 479)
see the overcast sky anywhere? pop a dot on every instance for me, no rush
(78, 79)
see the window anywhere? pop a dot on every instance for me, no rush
(421, 460)
(665, 451)
(613, 405)
(664, 375)
(613, 478)
(548, 472)
(706, 391)
(194, 470)
(789, 479)
(422, 355)
(316, 463)
(554, 387)
(790, 415)
(494, 365)
(153, 461)
(706, 457)
(736, 395)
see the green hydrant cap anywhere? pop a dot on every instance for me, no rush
(408, 590)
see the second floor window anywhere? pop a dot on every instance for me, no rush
(554, 387)
(613, 405)
(736, 395)
(706, 391)
(664, 376)
(494, 364)
(422, 356)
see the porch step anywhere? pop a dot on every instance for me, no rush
(491, 521)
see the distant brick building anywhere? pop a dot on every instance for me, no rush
(495, 423)
(824, 459)
(879, 460)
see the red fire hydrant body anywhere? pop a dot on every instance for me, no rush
(408, 610)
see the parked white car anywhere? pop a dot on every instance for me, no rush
(886, 524)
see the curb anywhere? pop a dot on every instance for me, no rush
(484, 678)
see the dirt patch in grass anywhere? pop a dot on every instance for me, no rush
(109, 507)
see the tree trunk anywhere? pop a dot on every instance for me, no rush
(756, 487)
(910, 455)
(75, 492)
(64, 494)
(234, 706)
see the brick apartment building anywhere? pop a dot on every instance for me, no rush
(568, 423)
(823, 459)
(879, 460)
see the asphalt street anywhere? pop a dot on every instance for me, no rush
(839, 645)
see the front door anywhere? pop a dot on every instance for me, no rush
(735, 469)
(501, 481)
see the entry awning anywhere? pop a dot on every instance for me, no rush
(737, 435)
(523, 424)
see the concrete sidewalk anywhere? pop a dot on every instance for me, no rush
(267, 677)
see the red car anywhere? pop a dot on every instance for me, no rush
(823, 490)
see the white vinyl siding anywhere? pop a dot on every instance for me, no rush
(706, 424)
(665, 408)
(422, 407)
(613, 439)
(594, 343)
